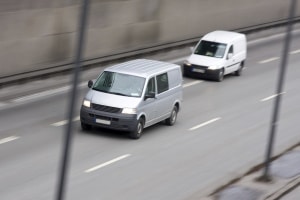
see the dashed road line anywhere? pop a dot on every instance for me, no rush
(295, 52)
(41, 94)
(106, 163)
(271, 97)
(8, 139)
(191, 84)
(205, 123)
(45, 93)
(268, 60)
(2, 104)
(64, 122)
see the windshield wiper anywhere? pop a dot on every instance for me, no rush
(98, 90)
(118, 93)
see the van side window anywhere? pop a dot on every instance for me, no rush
(162, 83)
(231, 49)
(151, 86)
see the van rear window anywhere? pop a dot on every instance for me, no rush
(211, 49)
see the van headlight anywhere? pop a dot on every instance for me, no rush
(187, 63)
(86, 103)
(213, 67)
(129, 111)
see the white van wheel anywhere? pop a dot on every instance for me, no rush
(172, 119)
(239, 71)
(220, 75)
(137, 133)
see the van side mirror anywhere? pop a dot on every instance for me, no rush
(149, 95)
(90, 83)
(229, 55)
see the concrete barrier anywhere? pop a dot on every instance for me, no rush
(37, 35)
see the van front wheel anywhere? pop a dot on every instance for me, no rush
(172, 119)
(85, 127)
(220, 75)
(137, 133)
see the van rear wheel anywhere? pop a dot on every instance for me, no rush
(172, 119)
(239, 71)
(137, 133)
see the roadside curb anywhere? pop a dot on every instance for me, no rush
(248, 187)
(292, 184)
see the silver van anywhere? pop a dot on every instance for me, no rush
(132, 96)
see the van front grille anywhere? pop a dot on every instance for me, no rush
(106, 108)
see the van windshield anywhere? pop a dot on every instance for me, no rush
(211, 49)
(120, 84)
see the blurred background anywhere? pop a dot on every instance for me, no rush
(40, 34)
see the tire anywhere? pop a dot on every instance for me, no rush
(220, 75)
(239, 71)
(172, 119)
(137, 133)
(85, 127)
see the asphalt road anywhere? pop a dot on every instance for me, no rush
(221, 132)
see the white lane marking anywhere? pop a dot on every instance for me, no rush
(45, 93)
(205, 123)
(106, 163)
(271, 97)
(191, 83)
(64, 122)
(2, 104)
(268, 38)
(8, 139)
(268, 60)
(41, 94)
(295, 52)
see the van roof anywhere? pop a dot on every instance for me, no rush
(142, 67)
(222, 36)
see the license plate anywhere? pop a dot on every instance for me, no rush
(198, 70)
(101, 121)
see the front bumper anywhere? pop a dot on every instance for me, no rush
(116, 121)
(198, 71)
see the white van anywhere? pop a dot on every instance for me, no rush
(218, 53)
(132, 96)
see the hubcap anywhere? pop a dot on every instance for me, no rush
(139, 131)
(173, 116)
(221, 75)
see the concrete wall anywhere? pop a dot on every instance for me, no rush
(36, 34)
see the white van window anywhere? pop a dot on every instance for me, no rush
(231, 49)
(120, 84)
(211, 49)
(162, 83)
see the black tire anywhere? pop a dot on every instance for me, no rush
(85, 127)
(239, 71)
(172, 119)
(137, 133)
(220, 75)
